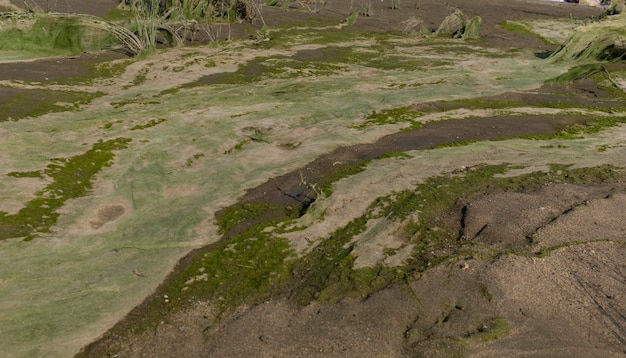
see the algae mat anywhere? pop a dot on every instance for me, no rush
(100, 199)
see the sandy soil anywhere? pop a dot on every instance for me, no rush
(569, 303)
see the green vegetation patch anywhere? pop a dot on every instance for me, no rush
(516, 26)
(286, 37)
(598, 73)
(276, 67)
(392, 116)
(21, 103)
(491, 330)
(248, 213)
(326, 273)
(243, 270)
(331, 58)
(252, 265)
(71, 178)
(246, 269)
(48, 36)
(150, 123)
(578, 130)
(578, 73)
(597, 41)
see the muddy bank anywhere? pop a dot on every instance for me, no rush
(91, 7)
(288, 191)
(180, 170)
(56, 69)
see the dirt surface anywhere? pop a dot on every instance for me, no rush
(568, 303)
(56, 68)
(91, 7)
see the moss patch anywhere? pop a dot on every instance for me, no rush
(149, 124)
(333, 277)
(392, 116)
(39, 102)
(71, 178)
(491, 330)
(523, 29)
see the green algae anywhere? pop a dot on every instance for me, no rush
(392, 116)
(246, 269)
(274, 67)
(334, 278)
(491, 330)
(41, 102)
(149, 124)
(522, 28)
(232, 217)
(243, 270)
(71, 178)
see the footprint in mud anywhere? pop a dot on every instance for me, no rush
(107, 214)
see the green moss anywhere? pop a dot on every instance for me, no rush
(401, 155)
(392, 116)
(251, 265)
(243, 270)
(246, 269)
(138, 100)
(150, 123)
(285, 36)
(326, 273)
(334, 278)
(359, 283)
(262, 68)
(31, 174)
(251, 213)
(340, 171)
(168, 91)
(517, 27)
(25, 103)
(332, 265)
(491, 330)
(547, 251)
(589, 127)
(98, 69)
(327, 60)
(192, 160)
(484, 291)
(139, 79)
(71, 178)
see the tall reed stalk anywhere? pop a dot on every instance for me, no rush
(147, 20)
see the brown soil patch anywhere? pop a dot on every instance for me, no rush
(55, 69)
(91, 7)
(107, 214)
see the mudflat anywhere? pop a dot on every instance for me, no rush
(372, 195)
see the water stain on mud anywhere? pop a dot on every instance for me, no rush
(107, 214)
